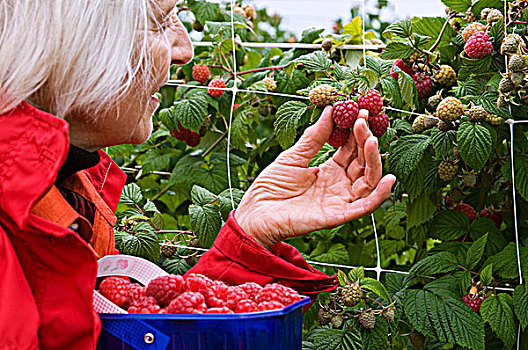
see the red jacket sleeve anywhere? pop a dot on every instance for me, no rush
(236, 258)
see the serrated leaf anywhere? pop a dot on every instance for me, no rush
(155, 160)
(394, 214)
(375, 286)
(472, 65)
(445, 317)
(396, 50)
(457, 5)
(401, 28)
(240, 131)
(336, 254)
(391, 90)
(443, 141)
(431, 26)
(131, 194)
(342, 278)
(486, 275)
(495, 242)
(505, 263)
(476, 251)
(409, 93)
(497, 311)
(376, 338)
(474, 144)
(356, 273)
(176, 266)
(448, 225)
(438, 263)
(205, 222)
(201, 196)
(521, 174)
(316, 61)
(287, 119)
(406, 153)
(520, 304)
(322, 155)
(143, 244)
(420, 210)
(191, 112)
(224, 201)
(204, 11)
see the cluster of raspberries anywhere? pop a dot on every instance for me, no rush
(196, 294)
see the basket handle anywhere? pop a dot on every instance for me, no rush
(137, 334)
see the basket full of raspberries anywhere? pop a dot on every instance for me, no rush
(194, 312)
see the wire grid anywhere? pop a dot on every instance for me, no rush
(377, 269)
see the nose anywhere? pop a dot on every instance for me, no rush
(181, 46)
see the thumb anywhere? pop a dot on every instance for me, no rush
(310, 142)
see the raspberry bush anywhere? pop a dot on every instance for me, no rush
(440, 91)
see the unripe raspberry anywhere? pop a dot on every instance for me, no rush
(324, 317)
(478, 45)
(250, 11)
(322, 95)
(430, 122)
(473, 301)
(271, 84)
(493, 16)
(345, 113)
(338, 137)
(240, 11)
(477, 114)
(506, 85)
(411, 59)
(424, 84)
(367, 320)
(216, 87)
(455, 24)
(517, 77)
(471, 29)
(200, 73)
(418, 124)
(450, 109)
(484, 13)
(351, 294)
(517, 63)
(327, 44)
(417, 339)
(371, 101)
(445, 126)
(400, 64)
(378, 124)
(469, 16)
(511, 44)
(434, 100)
(337, 321)
(492, 214)
(446, 75)
(196, 25)
(447, 170)
(494, 119)
(502, 102)
(388, 314)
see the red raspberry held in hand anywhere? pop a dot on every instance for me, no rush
(147, 305)
(251, 289)
(188, 303)
(165, 288)
(196, 282)
(338, 137)
(400, 64)
(478, 46)
(466, 209)
(379, 124)
(115, 289)
(371, 101)
(219, 310)
(137, 292)
(246, 306)
(200, 73)
(270, 305)
(278, 292)
(219, 85)
(493, 215)
(424, 84)
(233, 296)
(473, 301)
(345, 113)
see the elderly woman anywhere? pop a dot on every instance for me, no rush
(77, 76)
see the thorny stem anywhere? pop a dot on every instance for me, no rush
(380, 304)
(150, 221)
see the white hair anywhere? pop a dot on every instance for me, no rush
(71, 55)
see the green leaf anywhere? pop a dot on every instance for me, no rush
(458, 5)
(486, 275)
(375, 286)
(356, 273)
(201, 196)
(316, 61)
(448, 225)
(396, 50)
(224, 201)
(205, 222)
(155, 160)
(438, 263)
(520, 304)
(443, 141)
(240, 131)
(408, 89)
(131, 194)
(204, 11)
(505, 263)
(325, 153)
(394, 214)
(336, 254)
(391, 90)
(444, 316)
(191, 112)
(142, 244)
(406, 153)
(521, 174)
(497, 311)
(473, 65)
(310, 35)
(475, 252)
(401, 28)
(474, 144)
(287, 119)
(354, 28)
(342, 278)
(431, 26)
(495, 242)
(420, 211)
(376, 338)
(176, 266)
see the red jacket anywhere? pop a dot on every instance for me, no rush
(49, 271)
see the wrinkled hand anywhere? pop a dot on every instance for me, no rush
(289, 199)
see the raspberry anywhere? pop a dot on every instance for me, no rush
(188, 303)
(196, 25)
(502, 102)
(233, 296)
(417, 339)
(493, 215)
(469, 16)
(168, 248)
(269, 305)
(446, 75)
(277, 292)
(194, 139)
(378, 124)
(322, 95)
(115, 289)
(324, 317)
(271, 84)
(196, 282)
(473, 301)
(180, 132)
(388, 314)
(345, 113)
(447, 170)
(200, 73)
(494, 15)
(250, 11)
(219, 310)
(235, 106)
(511, 43)
(506, 85)
(484, 13)
(477, 114)
(351, 294)
(466, 209)
(327, 44)
(337, 321)
(478, 46)
(430, 122)
(215, 295)
(338, 137)
(418, 125)
(136, 293)
(445, 126)
(450, 109)
(371, 101)
(367, 320)
(165, 288)
(252, 289)
(245, 306)
(215, 87)
(517, 77)
(400, 64)
(472, 29)
(411, 59)
(434, 100)
(517, 63)
(146, 305)
(494, 119)
(424, 84)
(207, 123)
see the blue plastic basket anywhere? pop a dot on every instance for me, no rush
(267, 330)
